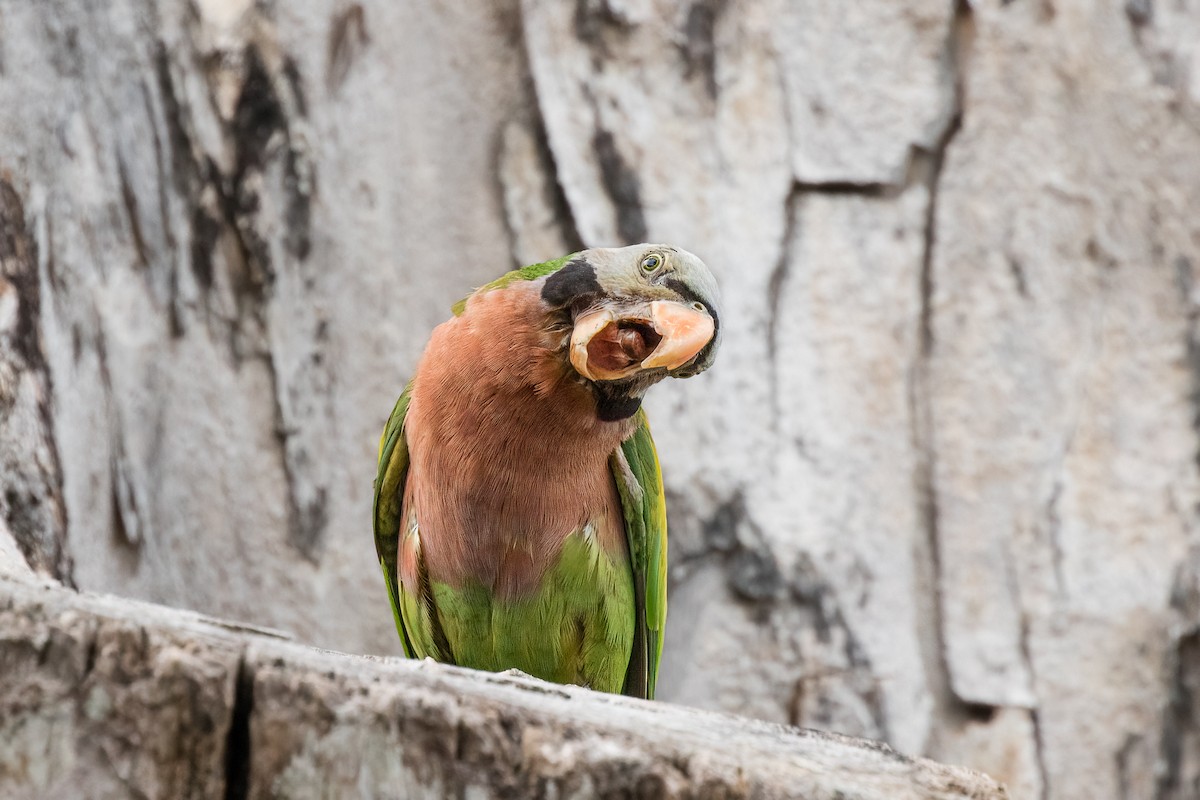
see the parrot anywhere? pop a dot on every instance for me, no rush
(519, 513)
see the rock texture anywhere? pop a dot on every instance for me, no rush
(135, 700)
(32, 520)
(941, 488)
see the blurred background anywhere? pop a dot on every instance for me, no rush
(941, 487)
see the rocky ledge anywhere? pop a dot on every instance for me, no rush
(111, 698)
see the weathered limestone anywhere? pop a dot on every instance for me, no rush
(134, 700)
(31, 505)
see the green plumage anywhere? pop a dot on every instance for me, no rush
(645, 511)
(570, 631)
(389, 495)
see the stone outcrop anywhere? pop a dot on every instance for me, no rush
(114, 698)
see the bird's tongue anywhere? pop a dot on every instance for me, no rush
(622, 344)
(608, 346)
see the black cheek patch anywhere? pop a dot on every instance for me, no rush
(577, 279)
(613, 404)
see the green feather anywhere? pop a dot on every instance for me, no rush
(529, 273)
(573, 629)
(389, 494)
(645, 507)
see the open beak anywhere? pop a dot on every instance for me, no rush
(607, 345)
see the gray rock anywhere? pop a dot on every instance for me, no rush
(133, 700)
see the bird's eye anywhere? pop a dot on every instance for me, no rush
(651, 262)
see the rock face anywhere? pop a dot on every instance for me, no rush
(134, 700)
(941, 488)
(32, 522)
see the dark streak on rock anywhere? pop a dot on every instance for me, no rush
(591, 19)
(1054, 530)
(779, 274)
(585, 22)
(811, 591)
(291, 72)
(928, 166)
(164, 210)
(823, 613)
(752, 570)
(961, 35)
(1185, 282)
(558, 199)
(33, 506)
(125, 523)
(308, 521)
(348, 38)
(937, 159)
(1017, 270)
(18, 257)
(189, 175)
(299, 179)
(720, 530)
(775, 291)
(258, 115)
(981, 713)
(184, 173)
(51, 258)
(1179, 778)
(699, 45)
(205, 232)
(1140, 12)
(123, 519)
(298, 186)
(623, 187)
(850, 188)
(1039, 735)
(129, 200)
(1127, 748)
(89, 659)
(754, 574)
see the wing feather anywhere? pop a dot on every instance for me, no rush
(389, 497)
(639, 483)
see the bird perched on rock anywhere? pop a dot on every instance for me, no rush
(519, 514)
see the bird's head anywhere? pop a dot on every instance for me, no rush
(637, 314)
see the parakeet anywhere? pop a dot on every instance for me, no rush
(519, 513)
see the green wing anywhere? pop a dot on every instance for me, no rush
(639, 483)
(389, 495)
